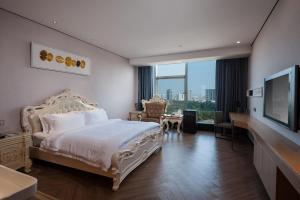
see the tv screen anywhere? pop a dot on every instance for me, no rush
(281, 96)
(277, 101)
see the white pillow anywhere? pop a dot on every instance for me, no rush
(44, 123)
(95, 116)
(58, 123)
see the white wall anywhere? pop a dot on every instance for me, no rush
(111, 84)
(276, 48)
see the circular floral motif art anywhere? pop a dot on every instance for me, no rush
(49, 57)
(73, 63)
(68, 61)
(43, 55)
(78, 63)
(82, 64)
(60, 59)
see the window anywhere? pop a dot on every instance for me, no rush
(170, 70)
(170, 81)
(188, 86)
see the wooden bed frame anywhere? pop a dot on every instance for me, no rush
(123, 162)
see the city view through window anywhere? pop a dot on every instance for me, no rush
(188, 85)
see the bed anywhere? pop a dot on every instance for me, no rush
(130, 143)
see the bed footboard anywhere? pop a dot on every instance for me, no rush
(126, 161)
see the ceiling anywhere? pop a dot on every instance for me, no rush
(140, 28)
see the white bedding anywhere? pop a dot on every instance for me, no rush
(95, 144)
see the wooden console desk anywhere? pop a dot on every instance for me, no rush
(273, 154)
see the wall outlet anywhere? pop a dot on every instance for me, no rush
(2, 123)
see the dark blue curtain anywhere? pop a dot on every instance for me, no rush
(231, 85)
(145, 84)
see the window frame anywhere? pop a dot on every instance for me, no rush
(184, 77)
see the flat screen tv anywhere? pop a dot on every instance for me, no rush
(281, 96)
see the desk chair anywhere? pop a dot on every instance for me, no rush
(221, 124)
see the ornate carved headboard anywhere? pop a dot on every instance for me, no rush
(61, 103)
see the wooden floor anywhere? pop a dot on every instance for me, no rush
(188, 167)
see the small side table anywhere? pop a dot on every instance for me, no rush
(172, 119)
(135, 115)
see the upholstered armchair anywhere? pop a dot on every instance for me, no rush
(153, 109)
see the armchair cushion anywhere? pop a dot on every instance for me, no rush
(155, 110)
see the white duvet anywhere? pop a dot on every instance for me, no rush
(96, 144)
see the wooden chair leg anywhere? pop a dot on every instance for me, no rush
(215, 131)
(232, 138)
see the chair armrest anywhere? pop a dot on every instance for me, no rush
(139, 116)
(142, 115)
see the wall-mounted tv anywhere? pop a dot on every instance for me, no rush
(281, 96)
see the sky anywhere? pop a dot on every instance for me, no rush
(201, 76)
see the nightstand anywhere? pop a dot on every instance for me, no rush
(135, 115)
(14, 151)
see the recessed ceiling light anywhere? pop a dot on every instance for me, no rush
(238, 42)
(54, 21)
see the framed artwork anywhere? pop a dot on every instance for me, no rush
(44, 57)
